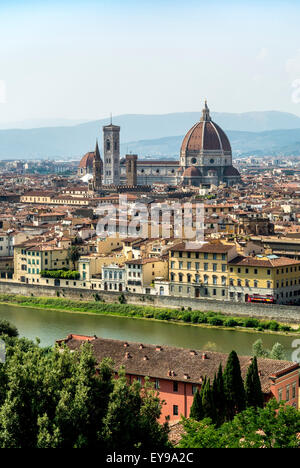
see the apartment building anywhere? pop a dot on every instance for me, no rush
(177, 372)
(254, 278)
(200, 272)
(142, 272)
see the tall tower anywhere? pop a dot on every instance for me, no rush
(111, 146)
(131, 169)
(95, 183)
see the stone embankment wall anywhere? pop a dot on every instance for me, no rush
(289, 314)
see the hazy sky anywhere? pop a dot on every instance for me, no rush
(82, 59)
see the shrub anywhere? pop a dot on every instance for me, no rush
(230, 322)
(216, 321)
(194, 318)
(187, 317)
(273, 325)
(285, 328)
(122, 299)
(251, 323)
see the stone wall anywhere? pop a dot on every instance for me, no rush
(268, 311)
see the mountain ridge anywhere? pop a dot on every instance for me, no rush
(250, 134)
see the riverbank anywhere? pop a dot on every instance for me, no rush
(181, 315)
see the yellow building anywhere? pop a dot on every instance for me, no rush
(200, 272)
(35, 255)
(141, 273)
(264, 279)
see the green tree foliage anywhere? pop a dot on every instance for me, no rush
(8, 329)
(258, 349)
(274, 426)
(196, 411)
(254, 395)
(131, 418)
(208, 404)
(234, 386)
(219, 396)
(73, 254)
(55, 398)
(277, 352)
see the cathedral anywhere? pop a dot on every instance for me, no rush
(205, 160)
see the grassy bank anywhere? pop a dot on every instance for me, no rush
(180, 315)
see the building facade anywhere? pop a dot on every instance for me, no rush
(177, 372)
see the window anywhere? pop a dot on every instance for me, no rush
(294, 390)
(223, 256)
(175, 410)
(215, 266)
(205, 266)
(194, 389)
(156, 384)
(223, 267)
(287, 393)
(214, 256)
(280, 394)
(175, 386)
(189, 265)
(206, 255)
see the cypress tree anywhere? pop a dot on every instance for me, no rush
(219, 396)
(209, 410)
(234, 386)
(196, 411)
(254, 395)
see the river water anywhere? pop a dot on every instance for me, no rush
(51, 325)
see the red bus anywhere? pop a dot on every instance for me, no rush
(268, 299)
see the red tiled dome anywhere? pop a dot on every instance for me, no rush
(87, 160)
(205, 135)
(191, 172)
(231, 171)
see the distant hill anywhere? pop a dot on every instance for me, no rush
(148, 135)
(275, 142)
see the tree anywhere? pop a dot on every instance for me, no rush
(258, 349)
(131, 420)
(277, 352)
(254, 395)
(219, 396)
(196, 411)
(208, 406)
(274, 426)
(73, 254)
(8, 329)
(234, 386)
(55, 398)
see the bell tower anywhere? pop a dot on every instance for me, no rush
(111, 152)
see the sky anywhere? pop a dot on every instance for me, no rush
(82, 60)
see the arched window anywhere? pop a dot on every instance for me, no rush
(107, 145)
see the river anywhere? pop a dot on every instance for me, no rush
(51, 325)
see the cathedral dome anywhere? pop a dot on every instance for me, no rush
(191, 172)
(231, 171)
(205, 135)
(87, 160)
